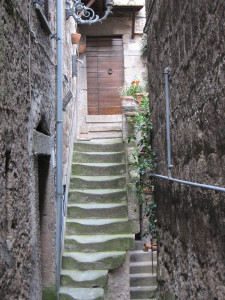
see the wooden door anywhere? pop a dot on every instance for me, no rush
(105, 75)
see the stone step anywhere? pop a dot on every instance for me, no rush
(98, 226)
(143, 292)
(101, 128)
(138, 245)
(97, 182)
(98, 169)
(143, 279)
(69, 293)
(97, 196)
(77, 278)
(100, 145)
(90, 135)
(143, 267)
(93, 261)
(140, 255)
(96, 210)
(93, 243)
(114, 119)
(99, 157)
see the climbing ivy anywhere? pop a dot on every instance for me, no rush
(144, 156)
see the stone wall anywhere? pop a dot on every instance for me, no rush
(27, 63)
(27, 149)
(69, 49)
(188, 37)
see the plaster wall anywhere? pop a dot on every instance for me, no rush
(133, 63)
(188, 37)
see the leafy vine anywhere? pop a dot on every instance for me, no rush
(144, 157)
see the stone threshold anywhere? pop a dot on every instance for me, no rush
(103, 118)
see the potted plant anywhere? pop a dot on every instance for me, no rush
(134, 90)
(75, 38)
(82, 48)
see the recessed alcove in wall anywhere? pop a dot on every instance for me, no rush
(43, 149)
(45, 216)
(43, 126)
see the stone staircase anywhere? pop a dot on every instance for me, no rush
(98, 232)
(142, 281)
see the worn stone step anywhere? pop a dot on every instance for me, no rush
(143, 292)
(97, 196)
(146, 298)
(143, 267)
(100, 145)
(138, 245)
(139, 255)
(96, 210)
(69, 293)
(143, 279)
(93, 261)
(98, 226)
(93, 243)
(98, 169)
(99, 157)
(77, 278)
(97, 182)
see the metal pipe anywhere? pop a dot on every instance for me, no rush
(211, 187)
(169, 166)
(59, 135)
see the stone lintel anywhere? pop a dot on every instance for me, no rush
(42, 143)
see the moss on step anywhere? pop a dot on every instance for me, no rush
(49, 293)
(168, 296)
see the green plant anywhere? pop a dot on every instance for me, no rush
(133, 88)
(145, 157)
(151, 214)
(144, 46)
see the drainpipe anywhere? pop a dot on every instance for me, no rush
(59, 135)
(169, 166)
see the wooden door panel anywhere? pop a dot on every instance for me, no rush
(93, 110)
(108, 48)
(110, 59)
(110, 111)
(104, 53)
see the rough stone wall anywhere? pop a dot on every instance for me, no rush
(188, 37)
(129, 106)
(27, 102)
(118, 284)
(68, 50)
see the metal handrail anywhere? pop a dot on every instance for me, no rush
(169, 165)
(206, 186)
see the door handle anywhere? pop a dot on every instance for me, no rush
(110, 71)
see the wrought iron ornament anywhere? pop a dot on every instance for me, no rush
(86, 15)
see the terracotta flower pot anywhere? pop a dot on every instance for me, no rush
(140, 96)
(75, 38)
(146, 247)
(82, 48)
